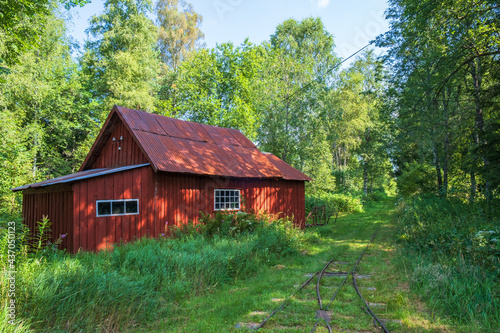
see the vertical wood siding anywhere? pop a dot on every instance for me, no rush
(57, 204)
(163, 197)
(181, 197)
(111, 156)
(99, 233)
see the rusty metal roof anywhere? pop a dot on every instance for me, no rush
(288, 170)
(174, 145)
(78, 176)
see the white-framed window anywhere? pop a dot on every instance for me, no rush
(117, 207)
(226, 199)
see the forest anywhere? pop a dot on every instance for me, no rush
(418, 124)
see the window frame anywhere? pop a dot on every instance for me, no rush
(227, 189)
(111, 206)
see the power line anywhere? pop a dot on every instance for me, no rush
(349, 57)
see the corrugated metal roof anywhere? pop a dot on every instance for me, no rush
(174, 145)
(289, 171)
(79, 176)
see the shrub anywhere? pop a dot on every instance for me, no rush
(452, 249)
(451, 227)
(334, 202)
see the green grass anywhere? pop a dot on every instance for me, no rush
(250, 300)
(451, 252)
(212, 282)
(136, 282)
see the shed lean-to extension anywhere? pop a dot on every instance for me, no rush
(147, 172)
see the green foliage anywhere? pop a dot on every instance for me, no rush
(334, 202)
(22, 23)
(116, 290)
(452, 228)
(213, 87)
(43, 124)
(292, 93)
(120, 63)
(416, 178)
(453, 249)
(443, 91)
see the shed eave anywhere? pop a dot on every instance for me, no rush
(84, 175)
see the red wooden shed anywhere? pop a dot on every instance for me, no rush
(146, 172)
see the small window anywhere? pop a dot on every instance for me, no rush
(227, 199)
(117, 207)
(131, 207)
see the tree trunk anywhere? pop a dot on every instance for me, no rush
(438, 169)
(479, 119)
(446, 142)
(365, 179)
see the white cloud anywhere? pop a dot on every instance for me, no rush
(322, 3)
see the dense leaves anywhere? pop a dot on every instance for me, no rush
(120, 62)
(444, 91)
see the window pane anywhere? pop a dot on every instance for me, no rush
(118, 207)
(131, 207)
(226, 199)
(103, 208)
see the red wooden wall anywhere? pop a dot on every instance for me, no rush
(163, 197)
(98, 233)
(182, 196)
(55, 202)
(128, 154)
(167, 197)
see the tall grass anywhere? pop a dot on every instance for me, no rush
(113, 291)
(452, 252)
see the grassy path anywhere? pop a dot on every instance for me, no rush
(251, 300)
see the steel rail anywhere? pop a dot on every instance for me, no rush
(343, 282)
(359, 294)
(320, 301)
(285, 302)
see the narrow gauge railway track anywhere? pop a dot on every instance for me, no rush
(320, 274)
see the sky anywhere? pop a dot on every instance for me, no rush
(353, 23)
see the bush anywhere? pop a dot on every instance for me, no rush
(227, 224)
(334, 202)
(452, 249)
(452, 228)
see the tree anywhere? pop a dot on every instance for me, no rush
(120, 61)
(43, 123)
(443, 56)
(357, 139)
(179, 31)
(292, 90)
(21, 23)
(214, 87)
(179, 35)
